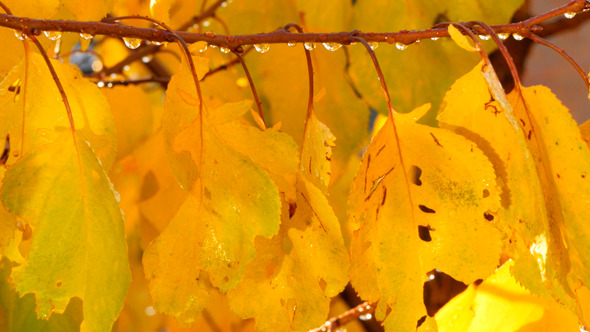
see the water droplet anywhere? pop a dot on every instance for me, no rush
(309, 46)
(332, 46)
(100, 84)
(291, 43)
(517, 36)
(262, 48)
(206, 23)
(85, 36)
(132, 43)
(484, 37)
(224, 49)
(157, 43)
(147, 58)
(223, 4)
(110, 85)
(366, 317)
(569, 15)
(150, 311)
(434, 38)
(503, 35)
(401, 46)
(19, 35)
(210, 34)
(52, 35)
(374, 45)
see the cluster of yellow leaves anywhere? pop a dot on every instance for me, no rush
(227, 220)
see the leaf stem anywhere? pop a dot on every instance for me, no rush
(251, 82)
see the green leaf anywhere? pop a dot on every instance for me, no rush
(78, 247)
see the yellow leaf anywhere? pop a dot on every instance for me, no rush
(563, 168)
(316, 155)
(585, 131)
(461, 40)
(78, 247)
(489, 121)
(210, 240)
(33, 110)
(501, 304)
(160, 10)
(406, 217)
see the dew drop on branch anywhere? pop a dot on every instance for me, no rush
(132, 43)
(309, 46)
(19, 35)
(484, 37)
(517, 36)
(86, 36)
(157, 43)
(224, 49)
(332, 46)
(52, 35)
(503, 35)
(261, 48)
(365, 317)
(569, 15)
(374, 45)
(291, 44)
(434, 38)
(401, 46)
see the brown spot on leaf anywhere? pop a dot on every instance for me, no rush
(420, 321)
(486, 193)
(415, 173)
(436, 140)
(426, 209)
(488, 216)
(292, 209)
(424, 233)
(58, 284)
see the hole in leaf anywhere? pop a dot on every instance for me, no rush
(488, 216)
(424, 233)
(292, 209)
(439, 290)
(426, 209)
(486, 193)
(421, 321)
(415, 173)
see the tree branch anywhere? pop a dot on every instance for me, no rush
(27, 25)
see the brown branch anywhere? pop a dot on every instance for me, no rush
(163, 81)
(309, 71)
(277, 37)
(563, 53)
(363, 310)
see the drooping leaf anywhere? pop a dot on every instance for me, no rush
(210, 240)
(78, 247)
(416, 210)
(532, 241)
(501, 304)
(563, 168)
(32, 109)
(297, 271)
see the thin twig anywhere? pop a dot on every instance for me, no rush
(109, 84)
(251, 82)
(362, 310)
(563, 53)
(309, 70)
